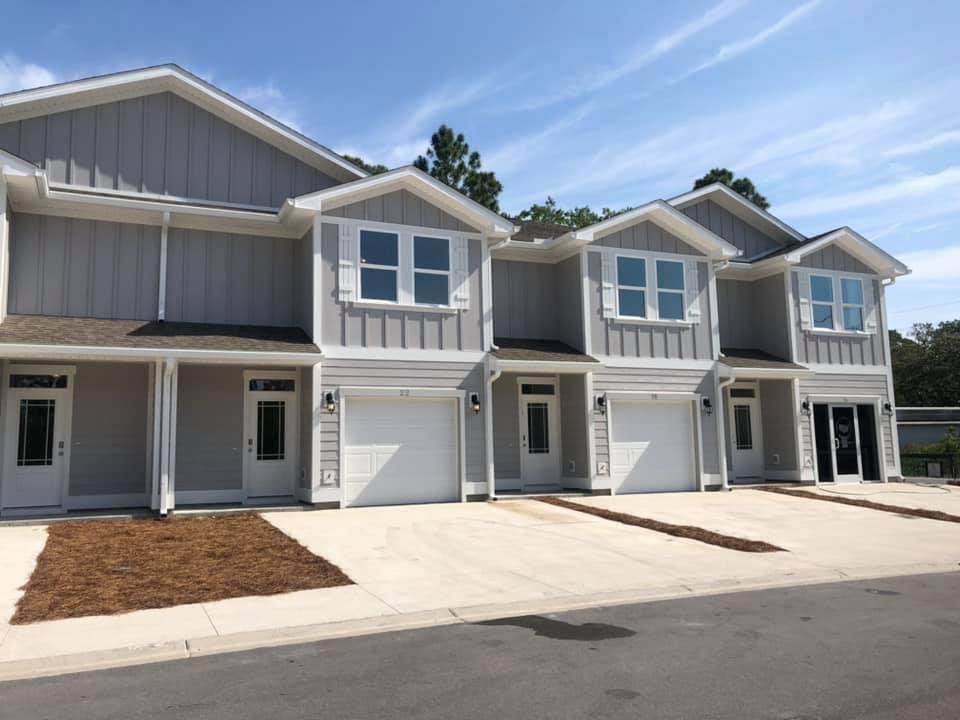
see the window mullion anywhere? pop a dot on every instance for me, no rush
(405, 279)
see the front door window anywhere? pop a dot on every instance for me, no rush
(742, 430)
(271, 430)
(538, 428)
(35, 436)
(845, 441)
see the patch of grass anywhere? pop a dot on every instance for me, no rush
(898, 509)
(689, 532)
(109, 567)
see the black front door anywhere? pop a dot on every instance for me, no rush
(845, 441)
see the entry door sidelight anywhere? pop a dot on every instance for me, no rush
(846, 446)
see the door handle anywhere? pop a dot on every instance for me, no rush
(836, 443)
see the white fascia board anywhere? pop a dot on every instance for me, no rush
(545, 251)
(35, 194)
(86, 352)
(536, 366)
(736, 203)
(742, 373)
(399, 354)
(756, 270)
(418, 182)
(13, 166)
(134, 83)
(670, 219)
(829, 369)
(854, 243)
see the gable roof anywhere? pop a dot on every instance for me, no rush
(173, 78)
(738, 205)
(416, 181)
(668, 218)
(854, 243)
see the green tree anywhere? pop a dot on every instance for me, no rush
(450, 160)
(363, 165)
(743, 185)
(926, 367)
(576, 217)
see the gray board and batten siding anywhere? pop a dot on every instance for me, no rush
(351, 325)
(735, 231)
(164, 145)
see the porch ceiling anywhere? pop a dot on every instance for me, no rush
(94, 332)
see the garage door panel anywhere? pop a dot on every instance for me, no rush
(401, 450)
(652, 446)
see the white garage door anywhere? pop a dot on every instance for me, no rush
(400, 450)
(652, 446)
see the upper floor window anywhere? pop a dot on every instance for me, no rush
(835, 303)
(662, 299)
(632, 286)
(431, 270)
(851, 294)
(821, 299)
(379, 265)
(670, 290)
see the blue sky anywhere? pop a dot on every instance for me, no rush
(843, 112)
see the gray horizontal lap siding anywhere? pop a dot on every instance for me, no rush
(108, 453)
(813, 347)
(841, 386)
(347, 325)
(610, 379)
(160, 144)
(630, 339)
(83, 268)
(735, 231)
(236, 279)
(405, 374)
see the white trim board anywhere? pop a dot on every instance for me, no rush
(84, 352)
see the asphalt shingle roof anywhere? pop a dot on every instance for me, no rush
(94, 332)
(538, 351)
(752, 358)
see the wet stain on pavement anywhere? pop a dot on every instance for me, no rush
(876, 591)
(622, 694)
(805, 618)
(559, 630)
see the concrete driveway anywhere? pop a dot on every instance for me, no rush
(926, 496)
(450, 556)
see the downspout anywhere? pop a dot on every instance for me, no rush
(721, 428)
(491, 377)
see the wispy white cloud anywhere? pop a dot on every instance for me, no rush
(516, 153)
(644, 54)
(909, 187)
(933, 264)
(270, 99)
(949, 137)
(16, 74)
(735, 49)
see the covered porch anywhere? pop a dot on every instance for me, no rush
(540, 418)
(763, 414)
(117, 414)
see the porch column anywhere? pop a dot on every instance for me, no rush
(168, 436)
(155, 415)
(316, 414)
(4, 249)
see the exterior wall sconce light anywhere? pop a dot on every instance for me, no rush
(887, 408)
(330, 403)
(475, 402)
(707, 405)
(805, 407)
(602, 404)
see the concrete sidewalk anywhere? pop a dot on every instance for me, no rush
(436, 564)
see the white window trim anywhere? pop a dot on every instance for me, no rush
(361, 266)
(448, 273)
(651, 290)
(837, 305)
(405, 269)
(862, 305)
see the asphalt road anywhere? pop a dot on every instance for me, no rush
(883, 649)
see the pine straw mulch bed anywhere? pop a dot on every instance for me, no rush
(898, 509)
(107, 567)
(689, 532)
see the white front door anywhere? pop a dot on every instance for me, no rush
(37, 437)
(270, 434)
(845, 436)
(539, 436)
(746, 437)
